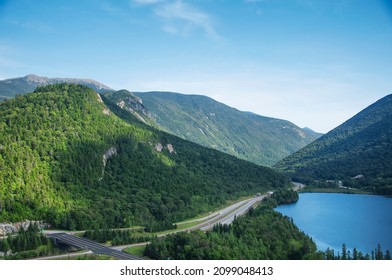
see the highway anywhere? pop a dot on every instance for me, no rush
(227, 217)
(87, 244)
(223, 216)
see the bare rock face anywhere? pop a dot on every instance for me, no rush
(108, 154)
(106, 111)
(13, 228)
(170, 148)
(158, 147)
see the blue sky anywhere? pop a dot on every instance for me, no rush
(313, 62)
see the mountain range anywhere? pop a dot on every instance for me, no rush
(73, 158)
(200, 119)
(358, 152)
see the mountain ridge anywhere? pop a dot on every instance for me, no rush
(21, 85)
(74, 159)
(201, 119)
(261, 140)
(358, 152)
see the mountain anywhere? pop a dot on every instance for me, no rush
(312, 132)
(131, 103)
(202, 120)
(11, 87)
(76, 160)
(199, 119)
(359, 152)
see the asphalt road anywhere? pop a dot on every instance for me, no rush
(223, 216)
(227, 217)
(87, 244)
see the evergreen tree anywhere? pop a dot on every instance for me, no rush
(355, 254)
(388, 255)
(344, 252)
(4, 246)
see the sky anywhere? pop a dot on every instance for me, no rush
(315, 63)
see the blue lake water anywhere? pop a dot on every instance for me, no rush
(360, 221)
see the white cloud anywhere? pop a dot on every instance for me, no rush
(182, 18)
(178, 12)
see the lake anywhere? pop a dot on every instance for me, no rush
(360, 221)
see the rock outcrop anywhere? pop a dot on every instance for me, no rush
(13, 228)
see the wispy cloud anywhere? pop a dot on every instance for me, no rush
(144, 2)
(182, 18)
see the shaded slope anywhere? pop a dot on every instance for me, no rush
(360, 146)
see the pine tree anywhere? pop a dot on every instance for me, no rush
(388, 255)
(344, 252)
(355, 254)
(4, 246)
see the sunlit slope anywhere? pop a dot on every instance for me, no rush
(70, 159)
(200, 119)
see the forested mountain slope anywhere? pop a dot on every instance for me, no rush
(202, 120)
(70, 159)
(359, 152)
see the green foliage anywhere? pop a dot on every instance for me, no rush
(212, 124)
(52, 168)
(117, 237)
(29, 243)
(282, 196)
(346, 254)
(261, 234)
(360, 146)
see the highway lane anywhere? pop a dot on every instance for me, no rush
(223, 216)
(87, 244)
(229, 217)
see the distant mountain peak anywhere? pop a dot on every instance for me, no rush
(10, 87)
(246, 135)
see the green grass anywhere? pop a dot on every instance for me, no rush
(87, 257)
(136, 250)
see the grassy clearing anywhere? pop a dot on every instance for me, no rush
(136, 250)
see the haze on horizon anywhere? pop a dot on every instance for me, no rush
(315, 63)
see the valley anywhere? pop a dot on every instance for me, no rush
(82, 160)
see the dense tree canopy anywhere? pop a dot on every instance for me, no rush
(55, 165)
(261, 234)
(358, 152)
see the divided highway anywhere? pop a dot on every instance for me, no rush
(223, 216)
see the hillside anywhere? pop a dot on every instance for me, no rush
(359, 152)
(68, 158)
(11, 87)
(202, 120)
(199, 119)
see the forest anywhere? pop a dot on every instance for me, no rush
(358, 153)
(260, 234)
(53, 168)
